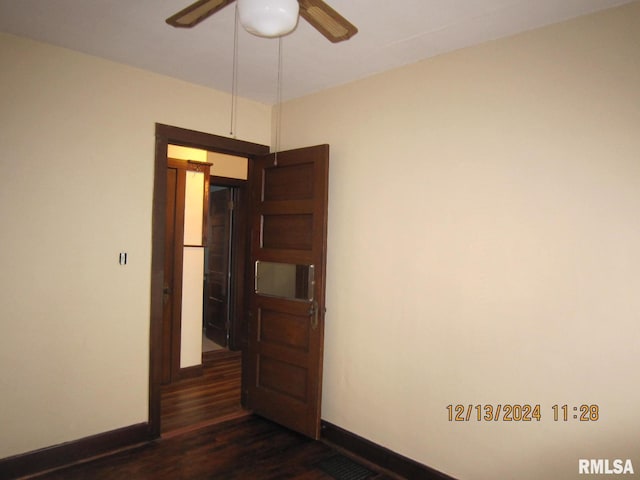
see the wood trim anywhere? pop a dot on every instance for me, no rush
(239, 265)
(205, 209)
(206, 141)
(378, 455)
(178, 261)
(58, 456)
(199, 166)
(228, 182)
(166, 134)
(158, 222)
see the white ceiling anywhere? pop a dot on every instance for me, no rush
(391, 34)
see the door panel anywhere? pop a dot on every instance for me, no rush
(294, 232)
(290, 182)
(286, 322)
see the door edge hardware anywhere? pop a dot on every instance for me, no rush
(313, 313)
(166, 292)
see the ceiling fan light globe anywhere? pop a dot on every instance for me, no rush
(268, 18)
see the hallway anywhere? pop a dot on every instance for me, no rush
(211, 398)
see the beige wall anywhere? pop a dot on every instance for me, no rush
(186, 153)
(484, 232)
(222, 165)
(192, 271)
(228, 166)
(77, 141)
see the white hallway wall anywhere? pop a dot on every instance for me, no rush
(484, 225)
(78, 138)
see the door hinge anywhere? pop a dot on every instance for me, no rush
(231, 205)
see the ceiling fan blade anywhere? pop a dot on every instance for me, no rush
(326, 20)
(197, 12)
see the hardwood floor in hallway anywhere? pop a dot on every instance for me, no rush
(210, 398)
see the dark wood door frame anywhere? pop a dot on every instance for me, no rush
(165, 135)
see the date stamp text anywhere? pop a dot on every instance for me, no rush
(526, 412)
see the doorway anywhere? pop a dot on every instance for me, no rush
(205, 215)
(166, 135)
(281, 337)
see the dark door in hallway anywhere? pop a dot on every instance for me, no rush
(288, 253)
(217, 285)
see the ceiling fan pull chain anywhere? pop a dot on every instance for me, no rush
(234, 78)
(278, 102)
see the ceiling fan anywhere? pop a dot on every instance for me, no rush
(321, 16)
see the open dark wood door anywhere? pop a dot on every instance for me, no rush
(283, 361)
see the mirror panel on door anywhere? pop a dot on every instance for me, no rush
(285, 280)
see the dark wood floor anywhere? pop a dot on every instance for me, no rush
(207, 435)
(213, 397)
(246, 448)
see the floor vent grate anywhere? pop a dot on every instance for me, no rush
(343, 468)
